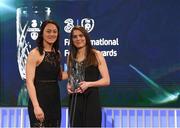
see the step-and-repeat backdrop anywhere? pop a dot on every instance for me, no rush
(139, 39)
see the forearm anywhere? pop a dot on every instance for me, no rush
(99, 83)
(32, 94)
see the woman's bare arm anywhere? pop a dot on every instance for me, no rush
(105, 78)
(30, 74)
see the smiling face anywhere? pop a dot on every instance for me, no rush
(78, 39)
(50, 33)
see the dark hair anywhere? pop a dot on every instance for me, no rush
(39, 40)
(90, 57)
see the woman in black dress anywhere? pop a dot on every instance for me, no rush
(84, 103)
(42, 74)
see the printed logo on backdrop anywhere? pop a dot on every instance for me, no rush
(87, 23)
(34, 30)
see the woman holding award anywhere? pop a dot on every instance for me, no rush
(87, 71)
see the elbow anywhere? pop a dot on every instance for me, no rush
(107, 83)
(64, 76)
(27, 83)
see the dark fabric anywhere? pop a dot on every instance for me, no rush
(87, 112)
(47, 91)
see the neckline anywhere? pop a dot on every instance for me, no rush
(52, 50)
(49, 51)
(79, 61)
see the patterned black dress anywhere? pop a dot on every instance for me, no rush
(88, 109)
(47, 90)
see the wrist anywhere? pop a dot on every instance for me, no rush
(89, 84)
(36, 106)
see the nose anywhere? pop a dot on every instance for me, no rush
(52, 34)
(78, 37)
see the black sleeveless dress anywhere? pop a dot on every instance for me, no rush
(47, 91)
(88, 109)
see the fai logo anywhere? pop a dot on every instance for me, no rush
(87, 23)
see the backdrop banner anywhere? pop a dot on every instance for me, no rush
(139, 39)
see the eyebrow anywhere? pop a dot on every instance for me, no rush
(51, 29)
(78, 35)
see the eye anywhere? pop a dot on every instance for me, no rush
(48, 31)
(55, 31)
(74, 36)
(81, 35)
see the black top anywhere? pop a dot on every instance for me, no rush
(49, 68)
(47, 89)
(87, 106)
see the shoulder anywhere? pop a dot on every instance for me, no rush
(34, 53)
(99, 56)
(98, 53)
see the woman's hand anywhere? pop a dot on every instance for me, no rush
(69, 89)
(39, 113)
(83, 86)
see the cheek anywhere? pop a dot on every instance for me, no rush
(45, 35)
(84, 39)
(74, 41)
(55, 35)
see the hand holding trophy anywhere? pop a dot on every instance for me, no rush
(77, 74)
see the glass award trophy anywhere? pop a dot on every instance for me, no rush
(77, 74)
(28, 22)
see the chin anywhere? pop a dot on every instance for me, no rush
(79, 47)
(51, 42)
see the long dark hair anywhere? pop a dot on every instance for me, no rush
(39, 40)
(90, 57)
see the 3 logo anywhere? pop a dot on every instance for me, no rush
(87, 23)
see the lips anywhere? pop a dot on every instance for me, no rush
(50, 38)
